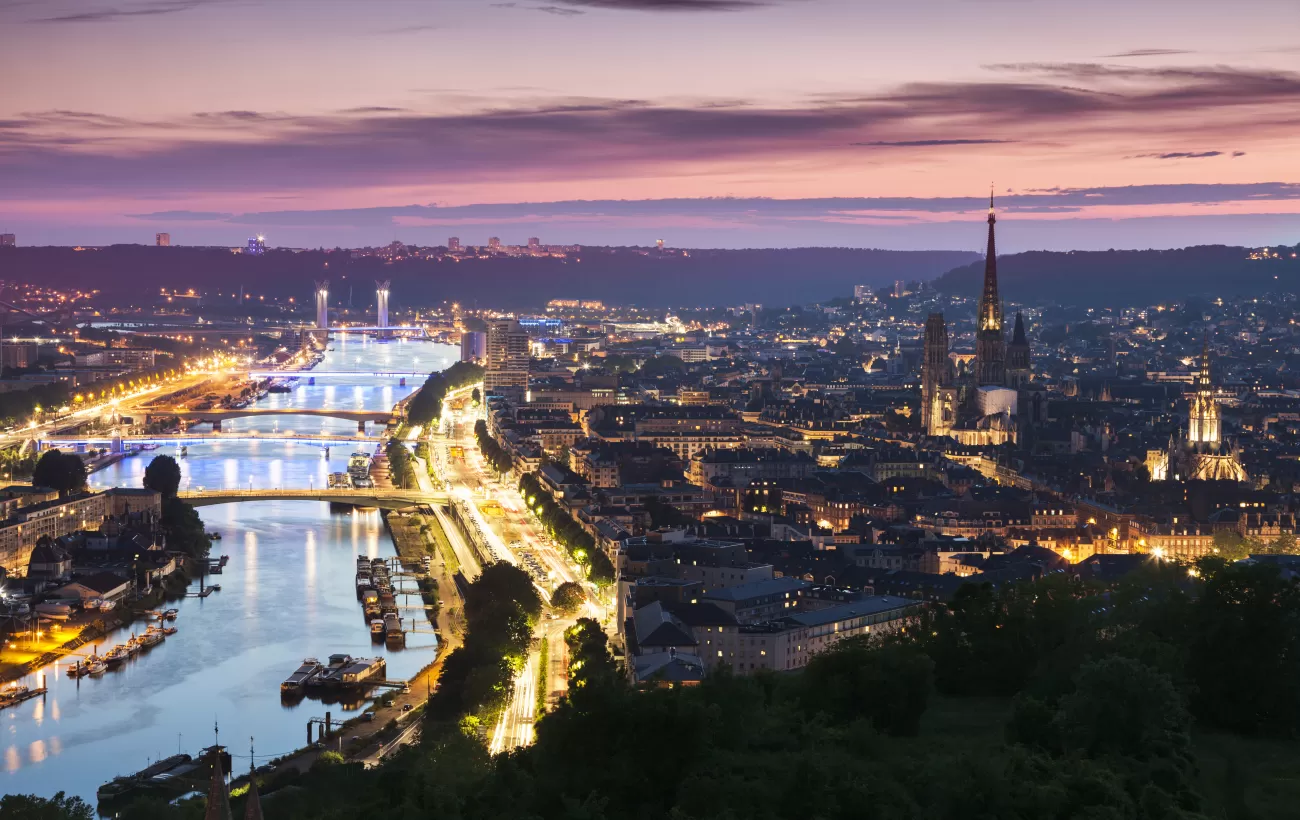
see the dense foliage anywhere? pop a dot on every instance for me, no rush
(184, 529)
(492, 452)
(426, 407)
(568, 532)
(18, 406)
(58, 807)
(501, 609)
(401, 466)
(65, 472)
(163, 475)
(568, 598)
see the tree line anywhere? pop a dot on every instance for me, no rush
(562, 526)
(425, 407)
(494, 453)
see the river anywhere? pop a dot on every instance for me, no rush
(287, 593)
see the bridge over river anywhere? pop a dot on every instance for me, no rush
(388, 499)
(215, 417)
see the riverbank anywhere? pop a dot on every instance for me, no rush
(21, 658)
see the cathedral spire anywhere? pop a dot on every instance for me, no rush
(253, 805)
(990, 315)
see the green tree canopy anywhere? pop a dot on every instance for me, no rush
(163, 475)
(30, 807)
(65, 472)
(568, 598)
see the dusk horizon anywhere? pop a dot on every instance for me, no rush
(718, 124)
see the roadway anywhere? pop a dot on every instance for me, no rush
(472, 480)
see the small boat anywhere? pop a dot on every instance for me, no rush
(116, 655)
(169, 630)
(215, 587)
(215, 536)
(54, 610)
(170, 614)
(152, 638)
(96, 668)
(377, 629)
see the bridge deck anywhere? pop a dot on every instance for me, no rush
(388, 499)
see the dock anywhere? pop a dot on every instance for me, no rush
(13, 697)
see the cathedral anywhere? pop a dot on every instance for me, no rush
(979, 408)
(1204, 455)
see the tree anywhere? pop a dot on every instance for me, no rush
(184, 529)
(30, 807)
(1231, 545)
(1244, 653)
(163, 475)
(568, 598)
(1123, 707)
(476, 396)
(888, 684)
(60, 471)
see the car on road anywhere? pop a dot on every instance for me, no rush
(368, 717)
(406, 707)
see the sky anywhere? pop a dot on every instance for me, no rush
(705, 123)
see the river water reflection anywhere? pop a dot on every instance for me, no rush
(287, 593)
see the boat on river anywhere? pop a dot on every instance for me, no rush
(302, 676)
(14, 695)
(120, 787)
(151, 638)
(377, 629)
(116, 655)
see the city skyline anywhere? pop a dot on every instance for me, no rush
(708, 124)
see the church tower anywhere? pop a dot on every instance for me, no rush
(1018, 355)
(990, 344)
(1203, 427)
(938, 398)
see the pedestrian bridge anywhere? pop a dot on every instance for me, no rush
(388, 499)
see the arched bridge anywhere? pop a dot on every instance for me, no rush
(215, 417)
(387, 499)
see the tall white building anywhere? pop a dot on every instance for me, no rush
(381, 301)
(163, 240)
(507, 359)
(323, 304)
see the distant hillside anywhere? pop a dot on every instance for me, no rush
(620, 276)
(1119, 278)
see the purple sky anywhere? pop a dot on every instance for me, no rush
(703, 122)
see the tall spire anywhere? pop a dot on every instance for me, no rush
(218, 807)
(1205, 362)
(990, 308)
(253, 804)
